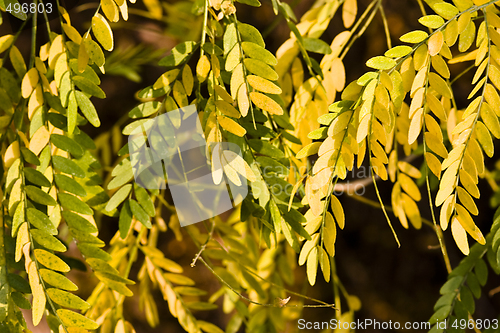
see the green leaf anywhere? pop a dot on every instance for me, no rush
(202, 306)
(145, 109)
(139, 213)
(68, 166)
(67, 299)
(41, 221)
(144, 200)
(72, 203)
(36, 177)
(92, 251)
(57, 280)
(254, 3)
(179, 54)
(265, 148)
(118, 197)
(440, 314)
(73, 319)
(317, 134)
(94, 51)
(68, 184)
(481, 271)
(260, 68)
(51, 261)
(451, 285)
(29, 156)
(250, 34)
(258, 52)
(17, 282)
(414, 36)
(316, 45)
(87, 108)
(294, 219)
(467, 299)
(431, 21)
(78, 222)
(66, 144)
(381, 63)
(102, 31)
(88, 87)
(39, 196)
(125, 220)
(20, 300)
(47, 241)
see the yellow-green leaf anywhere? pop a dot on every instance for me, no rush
(266, 103)
(102, 32)
(231, 126)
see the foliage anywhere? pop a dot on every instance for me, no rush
(300, 129)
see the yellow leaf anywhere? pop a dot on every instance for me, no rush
(460, 236)
(312, 266)
(233, 58)
(166, 79)
(469, 183)
(39, 300)
(446, 211)
(467, 201)
(409, 187)
(453, 156)
(415, 126)
(263, 85)
(231, 126)
(202, 68)
(306, 249)
(30, 80)
(364, 126)
(349, 11)
(409, 169)
(22, 238)
(110, 10)
(72, 33)
(266, 103)
(411, 210)
(329, 234)
(102, 32)
(187, 79)
(11, 154)
(435, 43)
(5, 42)
(324, 261)
(222, 93)
(439, 85)
(435, 145)
(379, 168)
(239, 164)
(180, 95)
(237, 79)
(338, 211)
(227, 109)
(39, 140)
(340, 123)
(56, 48)
(243, 102)
(83, 58)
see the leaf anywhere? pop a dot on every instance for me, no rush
(312, 266)
(257, 52)
(398, 51)
(73, 319)
(266, 148)
(310, 149)
(47, 241)
(266, 103)
(87, 108)
(77, 222)
(416, 36)
(102, 31)
(125, 220)
(431, 21)
(94, 51)
(36, 177)
(250, 34)
(118, 197)
(72, 203)
(227, 109)
(459, 235)
(57, 280)
(30, 80)
(67, 299)
(338, 211)
(231, 126)
(5, 42)
(41, 221)
(316, 45)
(39, 301)
(68, 184)
(144, 200)
(239, 164)
(263, 85)
(381, 63)
(67, 144)
(446, 10)
(39, 196)
(88, 87)
(349, 11)
(139, 213)
(68, 166)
